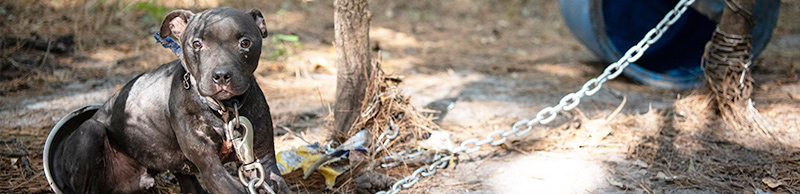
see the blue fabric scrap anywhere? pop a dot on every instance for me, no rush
(168, 42)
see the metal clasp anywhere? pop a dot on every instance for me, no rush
(244, 144)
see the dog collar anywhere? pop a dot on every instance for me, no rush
(216, 105)
(169, 43)
(212, 103)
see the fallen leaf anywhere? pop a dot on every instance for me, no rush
(14, 162)
(616, 183)
(771, 182)
(661, 175)
(641, 163)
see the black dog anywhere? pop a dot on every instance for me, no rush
(172, 118)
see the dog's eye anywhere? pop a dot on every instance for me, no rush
(197, 45)
(244, 43)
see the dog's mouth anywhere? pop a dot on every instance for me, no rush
(222, 95)
(231, 101)
(226, 92)
(223, 100)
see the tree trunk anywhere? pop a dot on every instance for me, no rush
(737, 18)
(727, 59)
(727, 63)
(351, 29)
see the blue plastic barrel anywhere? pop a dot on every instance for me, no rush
(608, 28)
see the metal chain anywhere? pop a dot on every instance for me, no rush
(389, 133)
(401, 156)
(376, 99)
(547, 115)
(251, 186)
(441, 162)
(243, 146)
(726, 55)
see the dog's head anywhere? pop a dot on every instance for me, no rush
(221, 47)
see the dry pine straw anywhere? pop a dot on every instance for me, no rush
(697, 147)
(412, 123)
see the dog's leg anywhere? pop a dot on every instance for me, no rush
(200, 148)
(264, 142)
(189, 184)
(215, 178)
(123, 173)
(79, 160)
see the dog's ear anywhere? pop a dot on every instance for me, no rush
(175, 23)
(262, 25)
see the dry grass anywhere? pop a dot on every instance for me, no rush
(391, 110)
(384, 108)
(90, 24)
(696, 149)
(94, 23)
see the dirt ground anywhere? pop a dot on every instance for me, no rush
(493, 62)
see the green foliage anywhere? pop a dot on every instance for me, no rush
(284, 46)
(286, 38)
(155, 13)
(285, 6)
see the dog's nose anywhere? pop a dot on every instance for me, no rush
(222, 75)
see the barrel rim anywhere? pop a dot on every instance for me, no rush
(54, 133)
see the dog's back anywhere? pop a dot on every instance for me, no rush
(90, 159)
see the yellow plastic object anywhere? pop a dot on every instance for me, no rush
(303, 157)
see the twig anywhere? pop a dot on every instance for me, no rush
(13, 154)
(321, 103)
(46, 53)
(619, 108)
(28, 180)
(511, 147)
(581, 115)
(473, 182)
(645, 188)
(288, 130)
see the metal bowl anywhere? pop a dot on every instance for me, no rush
(62, 130)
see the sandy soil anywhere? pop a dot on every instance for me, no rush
(495, 62)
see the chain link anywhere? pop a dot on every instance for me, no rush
(389, 134)
(402, 156)
(251, 186)
(548, 114)
(377, 99)
(441, 162)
